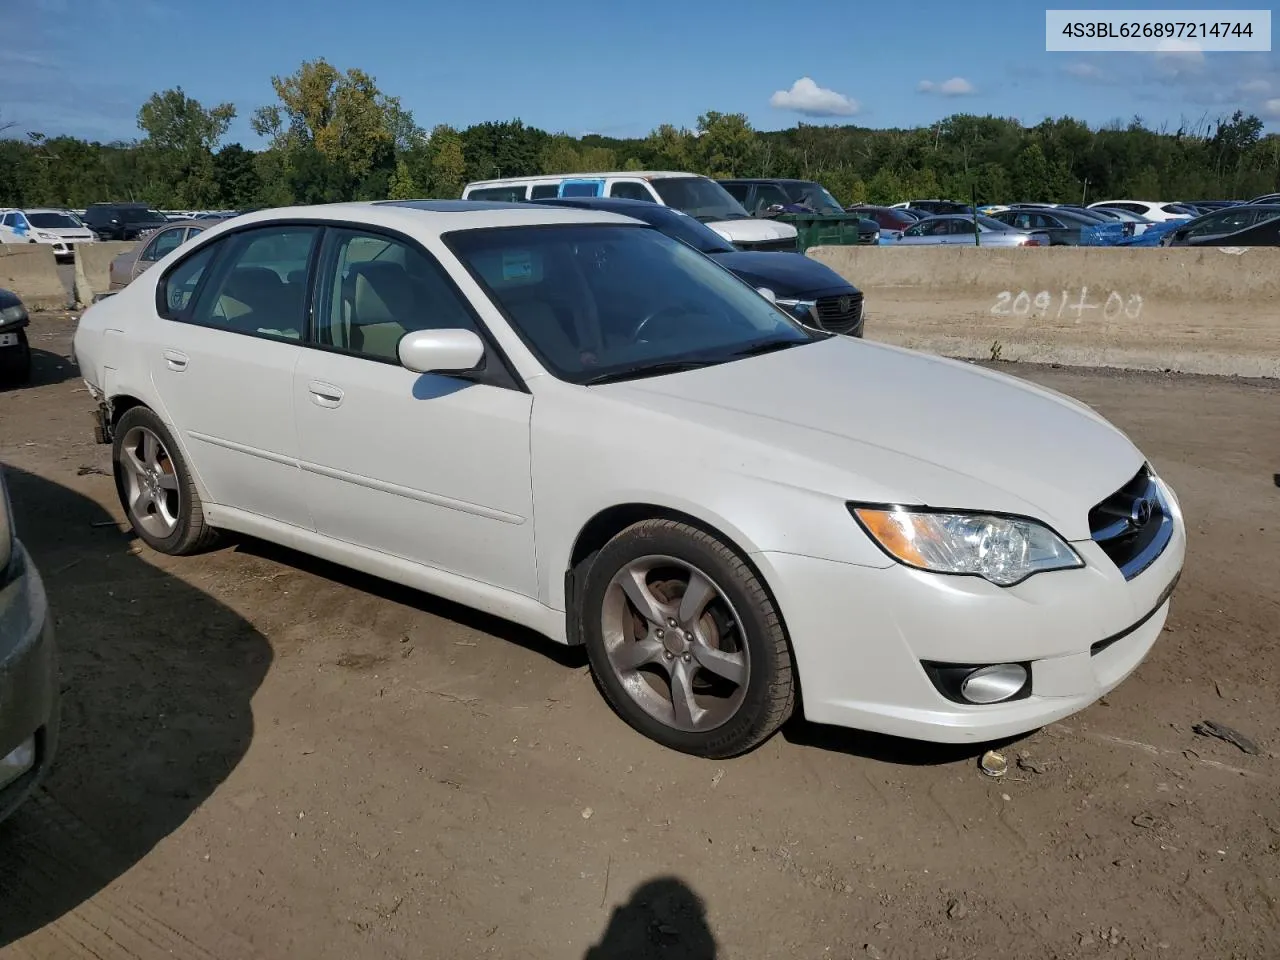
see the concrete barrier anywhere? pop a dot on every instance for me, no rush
(30, 271)
(1191, 310)
(93, 262)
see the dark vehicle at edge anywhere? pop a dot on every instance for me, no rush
(122, 221)
(811, 292)
(15, 352)
(1247, 225)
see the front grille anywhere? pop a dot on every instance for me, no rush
(790, 245)
(840, 314)
(1133, 525)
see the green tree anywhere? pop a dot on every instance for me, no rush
(402, 185)
(237, 177)
(726, 145)
(448, 162)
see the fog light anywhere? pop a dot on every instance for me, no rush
(18, 762)
(993, 684)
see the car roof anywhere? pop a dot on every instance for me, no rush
(437, 216)
(557, 177)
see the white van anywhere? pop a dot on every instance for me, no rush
(700, 197)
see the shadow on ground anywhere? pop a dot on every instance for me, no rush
(513, 633)
(883, 748)
(156, 685)
(665, 919)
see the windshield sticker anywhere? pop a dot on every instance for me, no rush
(517, 265)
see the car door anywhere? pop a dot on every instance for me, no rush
(931, 231)
(222, 357)
(430, 468)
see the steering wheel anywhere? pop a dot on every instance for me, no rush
(670, 309)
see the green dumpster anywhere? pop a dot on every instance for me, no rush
(828, 229)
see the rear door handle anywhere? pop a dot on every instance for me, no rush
(176, 359)
(325, 394)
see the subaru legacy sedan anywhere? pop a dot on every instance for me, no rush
(568, 419)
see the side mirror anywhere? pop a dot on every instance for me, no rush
(767, 294)
(440, 351)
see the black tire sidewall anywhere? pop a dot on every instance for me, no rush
(743, 730)
(142, 417)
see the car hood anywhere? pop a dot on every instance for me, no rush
(752, 230)
(874, 423)
(68, 233)
(786, 274)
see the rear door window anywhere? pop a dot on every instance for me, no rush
(544, 191)
(512, 194)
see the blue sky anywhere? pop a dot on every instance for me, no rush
(85, 66)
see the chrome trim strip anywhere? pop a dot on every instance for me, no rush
(410, 493)
(243, 448)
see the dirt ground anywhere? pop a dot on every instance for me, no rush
(268, 756)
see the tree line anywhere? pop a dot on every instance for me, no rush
(333, 135)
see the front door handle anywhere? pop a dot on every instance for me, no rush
(176, 360)
(325, 394)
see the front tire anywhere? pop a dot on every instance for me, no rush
(155, 486)
(685, 642)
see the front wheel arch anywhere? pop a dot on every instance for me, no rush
(608, 523)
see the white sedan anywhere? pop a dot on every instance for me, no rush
(567, 419)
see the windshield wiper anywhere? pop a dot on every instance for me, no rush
(766, 346)
(650, 370)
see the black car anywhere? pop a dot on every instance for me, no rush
(811, 292)
(939, 208)
(768, 196)
(15, 352)
(122, 221)
(1249, 225)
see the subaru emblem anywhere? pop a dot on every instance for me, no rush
(1140, 516)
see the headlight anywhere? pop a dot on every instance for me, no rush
(1003, 550)
(13, 314)
(45, 236)
(804, 309)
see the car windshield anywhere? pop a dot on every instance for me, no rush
(139, 215)
(54, 221)
(601, 302)
(816, 197)
(699, 197)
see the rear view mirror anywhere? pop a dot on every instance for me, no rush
(440, 351)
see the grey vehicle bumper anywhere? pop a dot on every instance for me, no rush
(28, 683)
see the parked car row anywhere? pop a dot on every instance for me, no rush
(562, 348)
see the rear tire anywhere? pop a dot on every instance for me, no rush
(684, 640)
(155, 486)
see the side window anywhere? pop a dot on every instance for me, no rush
(192, 234)
(501, 194)
(7, 220)
(630, 190)
(738, 191)
(177, 288)
(260, 285)
(376, 289)
(544, 191)
(161, 245)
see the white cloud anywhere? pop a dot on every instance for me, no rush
(1084, 71)
(1258, 86)
(1271, 109)
(955, 87)
(808, 98)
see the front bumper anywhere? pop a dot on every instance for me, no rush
(28, 679)
(861, 636)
